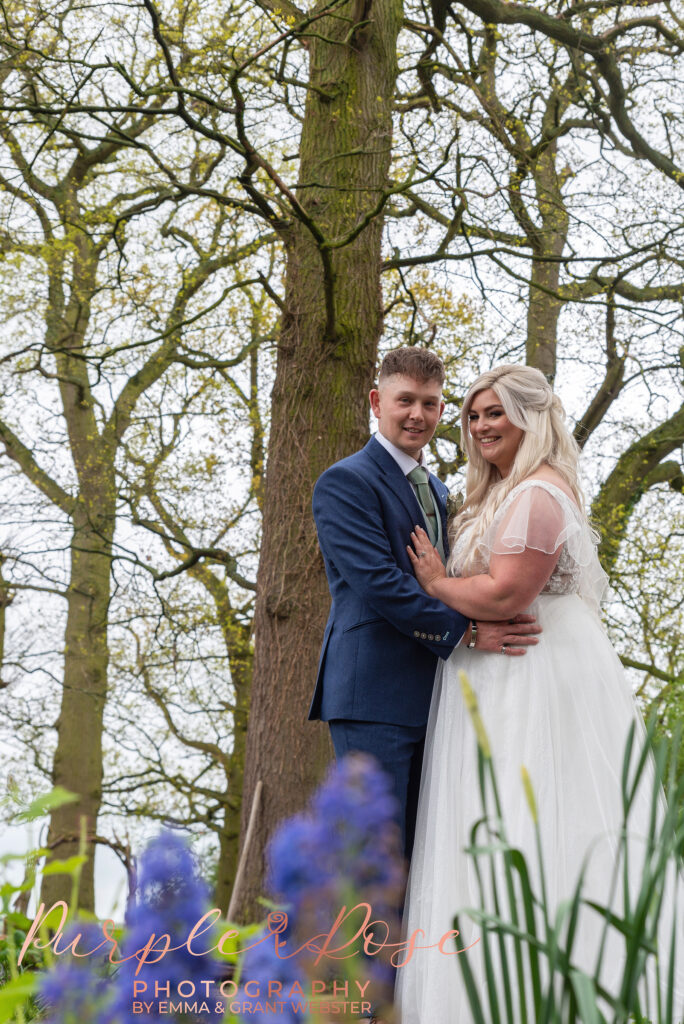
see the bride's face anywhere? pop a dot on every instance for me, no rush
(494, 434)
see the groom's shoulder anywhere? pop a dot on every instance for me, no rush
(357, 462)
(359, 466)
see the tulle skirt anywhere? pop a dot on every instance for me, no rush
(563, 711)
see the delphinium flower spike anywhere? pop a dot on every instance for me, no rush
(171, 899)
(76, 988)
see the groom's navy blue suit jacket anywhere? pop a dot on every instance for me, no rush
(384, 632)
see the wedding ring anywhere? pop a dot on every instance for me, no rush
(503, 648)
(421, 554)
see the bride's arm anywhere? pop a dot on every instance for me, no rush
(512, 583)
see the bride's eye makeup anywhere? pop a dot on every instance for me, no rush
(492, 413)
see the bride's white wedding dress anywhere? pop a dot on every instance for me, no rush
(563, 711)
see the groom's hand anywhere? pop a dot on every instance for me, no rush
(512, 637)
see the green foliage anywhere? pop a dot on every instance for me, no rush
(43, 805)
(16, 998)
(18, 982)
(539, 959)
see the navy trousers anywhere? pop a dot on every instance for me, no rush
(399, 750)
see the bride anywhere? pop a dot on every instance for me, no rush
(521, 541)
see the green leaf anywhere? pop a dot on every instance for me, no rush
(584, 990)
(15, 993)
(8, 858)
(234, 943)
(64, 867)
(470, 984)
(8, 889)
(19, 920)
(47, 803)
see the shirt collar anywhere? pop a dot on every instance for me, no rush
(405, 462)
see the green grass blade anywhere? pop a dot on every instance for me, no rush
(585, 993)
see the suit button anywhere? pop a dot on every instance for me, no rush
(438, 637)
(431, 636)
(423, 636)
(416, 633)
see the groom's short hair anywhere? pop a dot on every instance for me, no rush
(411, 361)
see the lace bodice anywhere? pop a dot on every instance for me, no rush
(538, 514)
(565, 578)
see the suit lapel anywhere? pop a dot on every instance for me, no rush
(400, 486)
(395, 479)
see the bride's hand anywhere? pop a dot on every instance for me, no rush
(426, 562)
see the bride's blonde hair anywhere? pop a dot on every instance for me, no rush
(529, 403)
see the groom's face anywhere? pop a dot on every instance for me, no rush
(407, 411)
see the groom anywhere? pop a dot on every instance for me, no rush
(385, 634)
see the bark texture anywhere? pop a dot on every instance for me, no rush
(331, 325)
(78, 757)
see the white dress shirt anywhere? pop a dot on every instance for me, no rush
(405, 462)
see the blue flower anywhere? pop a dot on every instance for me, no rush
(299, 861)
(343, 852)
(358, 794)
(267, 980)
(76, 989)
(171, 899)
(348, 842)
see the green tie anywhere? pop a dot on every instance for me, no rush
(419, 478)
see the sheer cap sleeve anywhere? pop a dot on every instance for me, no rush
(539, 515)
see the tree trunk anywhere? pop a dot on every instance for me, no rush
(543, 311)
(637, 469)
(548, 244)
(241, 662)
(78, 757)
(6, 599)
(331, 325)
(77, 764)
